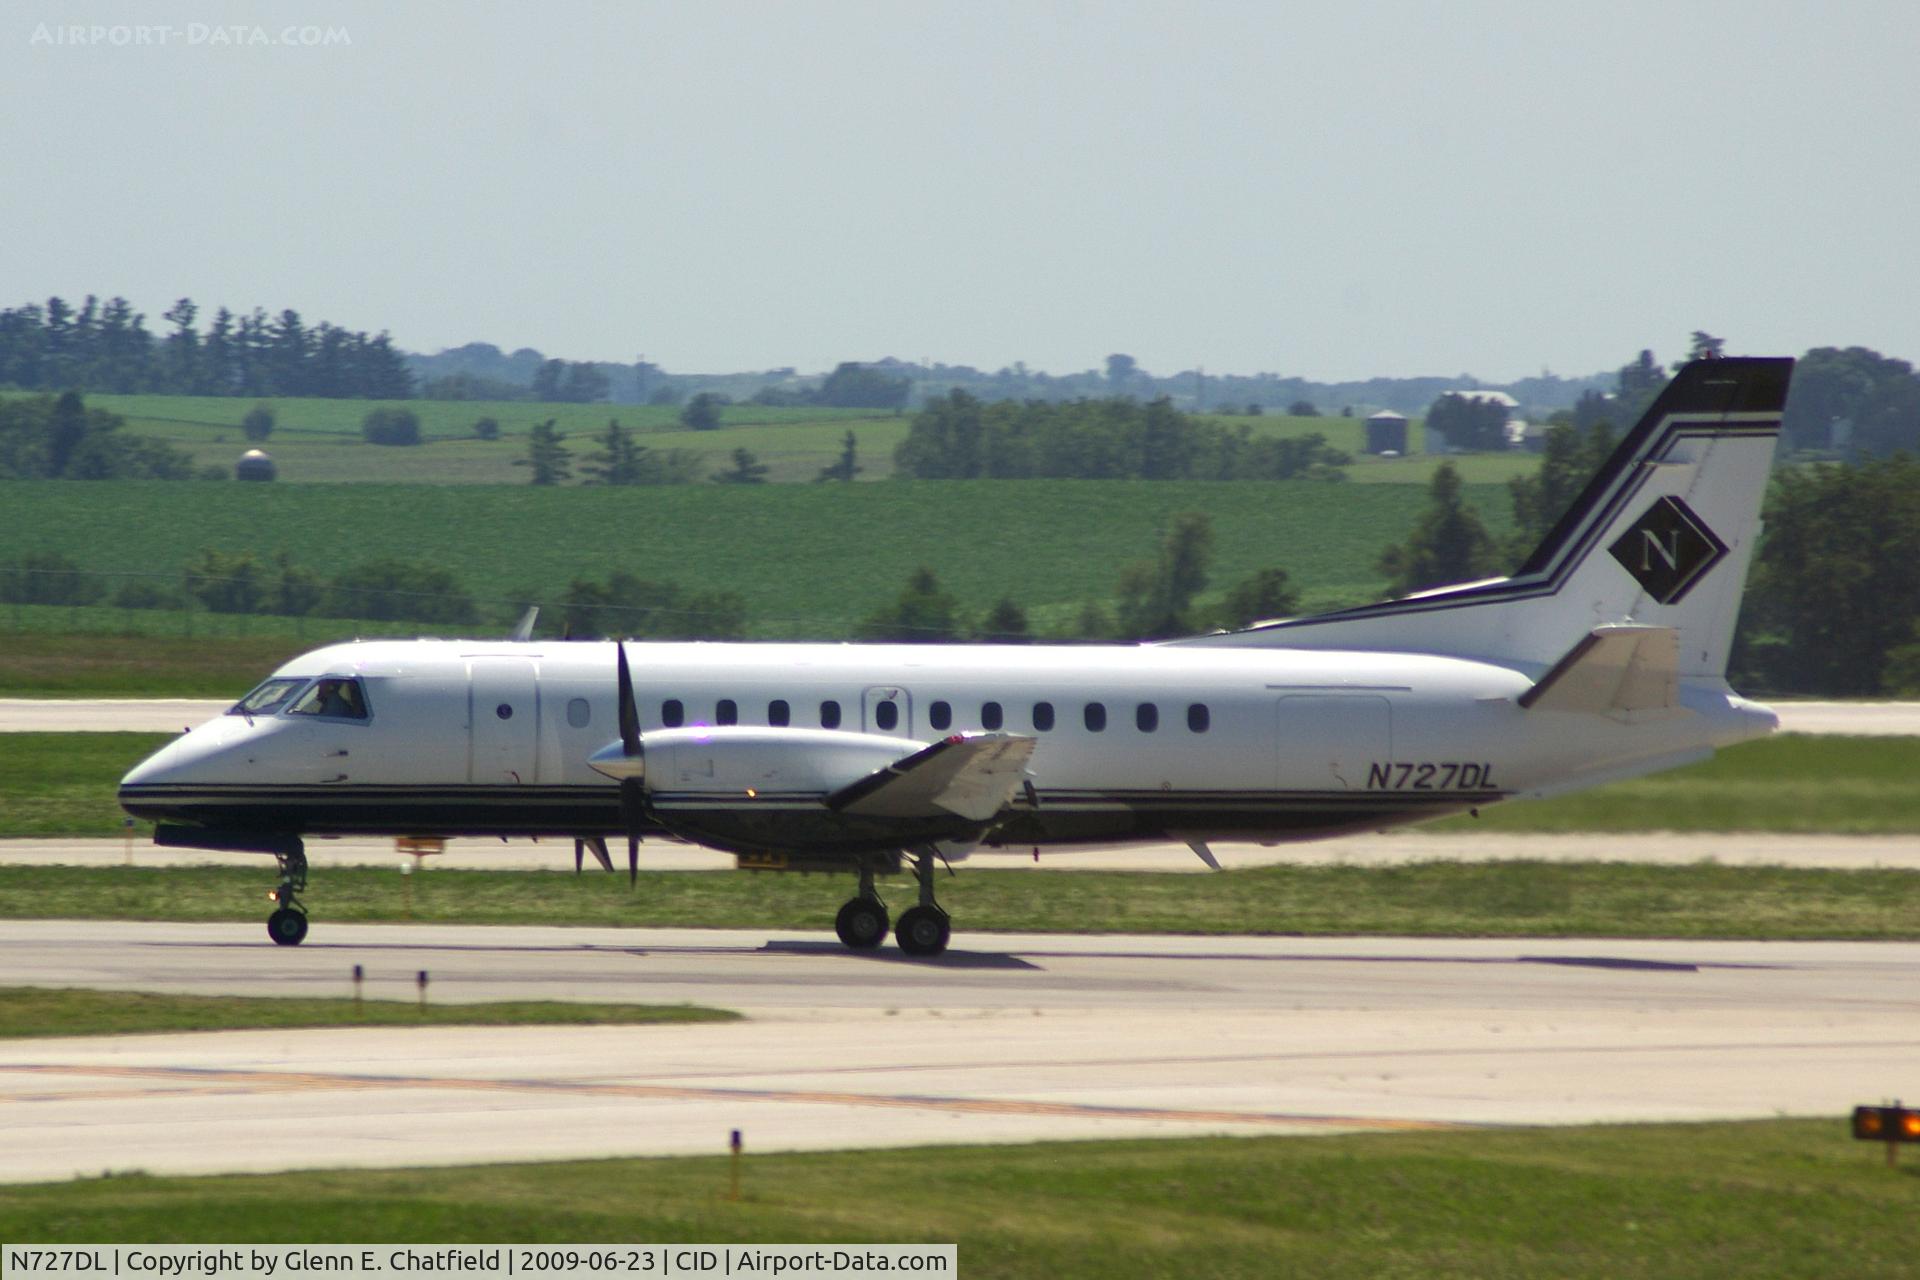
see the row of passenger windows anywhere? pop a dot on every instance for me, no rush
(886, 715)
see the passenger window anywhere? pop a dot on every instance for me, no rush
(778, 713)
(579, 713)
(829, 715)
(886, 715)
(726, 711)
(1146, 717)
(940, 715)
(1197, 717)
(990, 716)
(1043, 716)
(1096, 716)
(672, 714)
(333, 698)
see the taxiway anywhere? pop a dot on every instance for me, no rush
(1006, 1038)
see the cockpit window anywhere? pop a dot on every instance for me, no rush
(270, 697)
(335, 697)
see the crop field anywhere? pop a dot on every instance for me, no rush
(809, 560)
(318, 440)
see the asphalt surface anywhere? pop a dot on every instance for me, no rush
(1007, 1038)
(164, 715)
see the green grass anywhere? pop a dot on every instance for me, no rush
(63, 784)
(211, 661)
(1429, 899)
(1791, 783)
(1773, 1198)
(44, 1011)
(808, 559)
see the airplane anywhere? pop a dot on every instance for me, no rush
(1602, 657)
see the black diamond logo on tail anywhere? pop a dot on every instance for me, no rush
(1668, 549)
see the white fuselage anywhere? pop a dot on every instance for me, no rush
(1132, 742)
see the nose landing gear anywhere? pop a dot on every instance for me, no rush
(287, 926)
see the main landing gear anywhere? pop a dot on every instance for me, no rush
(922, 930)
(862, 924)
(288, 924)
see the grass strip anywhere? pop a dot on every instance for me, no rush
(1774, 1198)
(63, 784)
(50, 1011)
(1430, 899)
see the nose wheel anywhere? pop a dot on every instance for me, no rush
(287, 926)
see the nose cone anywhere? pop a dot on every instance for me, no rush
(189, 760)
(613, 761)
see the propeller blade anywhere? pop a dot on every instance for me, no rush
(579, 853)
(633, 860)
(629, 716)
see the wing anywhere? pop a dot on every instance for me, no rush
(972, 777)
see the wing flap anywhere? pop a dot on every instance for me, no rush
(973, 777)
(1613, 669)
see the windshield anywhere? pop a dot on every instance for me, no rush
(333, 696)
(268, 698)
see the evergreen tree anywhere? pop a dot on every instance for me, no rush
(1156, 595)
(746, 469)
(924, 614)
(1264, 596)
(1448, 544)
(846, 468)
(547, 455)
(619, 460)
(1005, 623)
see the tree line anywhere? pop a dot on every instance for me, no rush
(957, 436)
(106, 347)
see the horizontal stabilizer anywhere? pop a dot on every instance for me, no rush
(1613, 669)
(974, 777)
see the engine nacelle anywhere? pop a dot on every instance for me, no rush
(738, 759)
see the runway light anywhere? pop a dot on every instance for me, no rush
(1892, 1125)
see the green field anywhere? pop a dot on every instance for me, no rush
(809, 560)
(46, 1011)
(318, 440)
(1764, 1199)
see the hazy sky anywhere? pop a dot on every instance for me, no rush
(1330, 190)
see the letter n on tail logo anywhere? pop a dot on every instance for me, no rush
(1668, 549)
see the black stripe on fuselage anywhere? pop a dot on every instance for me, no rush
(1061, 816)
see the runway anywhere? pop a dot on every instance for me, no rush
(171, 715)
(1007, 1038)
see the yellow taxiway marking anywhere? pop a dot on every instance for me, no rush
(180, 1080)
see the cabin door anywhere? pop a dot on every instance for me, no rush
(503, 708)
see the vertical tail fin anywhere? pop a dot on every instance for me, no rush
(1662, 536)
